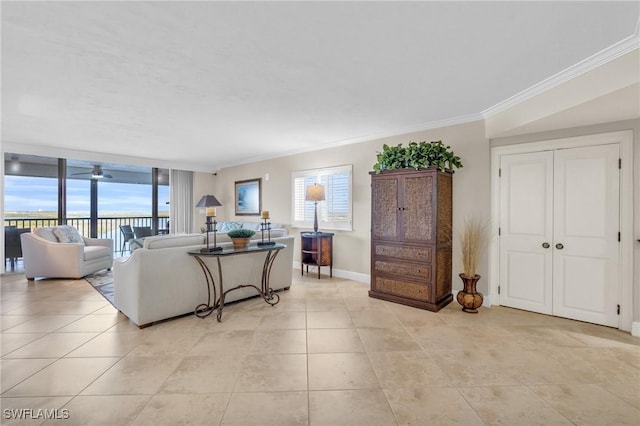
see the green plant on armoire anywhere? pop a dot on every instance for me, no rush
(417, 156)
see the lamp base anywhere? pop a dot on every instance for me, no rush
(266, 243)
(210, 249)
(315, 217)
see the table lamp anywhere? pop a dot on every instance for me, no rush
(209, 202)
(315, 193)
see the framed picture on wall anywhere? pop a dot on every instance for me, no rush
(248, 197)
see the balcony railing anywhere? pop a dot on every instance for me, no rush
(108, 227)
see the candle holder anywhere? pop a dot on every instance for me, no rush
(266, 226)
(215, 230)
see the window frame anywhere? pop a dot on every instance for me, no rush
(318, 174)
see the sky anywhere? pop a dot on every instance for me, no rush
(33, 194)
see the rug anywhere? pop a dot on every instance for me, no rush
(103, 283)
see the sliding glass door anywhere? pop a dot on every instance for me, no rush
(30, 191)
(94, 197)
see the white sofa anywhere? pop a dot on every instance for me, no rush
(223, 227)
(45, 256)
(161, 280)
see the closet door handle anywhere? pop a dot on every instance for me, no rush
(546, 245)
(559, 246)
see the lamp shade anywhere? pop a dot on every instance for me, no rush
(208, 201)
(315, 192)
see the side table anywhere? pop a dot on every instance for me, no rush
(203, 310)
(317, 250)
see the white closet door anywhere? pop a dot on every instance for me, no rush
(526, 230)
(586, 221)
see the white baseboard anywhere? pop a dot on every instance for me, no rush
(487, 302)
(350, 275)
(340, 273)
(635, 328)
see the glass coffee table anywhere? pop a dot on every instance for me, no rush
(203, 310)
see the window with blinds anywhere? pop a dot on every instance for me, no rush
(335, 211)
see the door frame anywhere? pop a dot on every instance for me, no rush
(625, 139)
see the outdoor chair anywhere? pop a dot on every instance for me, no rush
(12, 245)
(142, 231)
(127, 235)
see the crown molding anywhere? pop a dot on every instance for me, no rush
(589, 64)
(397, 132)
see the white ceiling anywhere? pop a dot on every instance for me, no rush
(204, 85)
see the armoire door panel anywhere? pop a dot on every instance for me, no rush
(384, 200)
(417, 209)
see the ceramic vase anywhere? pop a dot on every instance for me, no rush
(469, 298)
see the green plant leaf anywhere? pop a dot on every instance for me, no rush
(417, 156)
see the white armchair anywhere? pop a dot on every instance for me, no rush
(45, 256)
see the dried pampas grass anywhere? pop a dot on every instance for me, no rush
(473, 240)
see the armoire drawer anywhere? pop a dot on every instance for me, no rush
(405, 289)
(421, 254)
(409, 270)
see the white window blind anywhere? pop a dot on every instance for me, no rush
(335, 211)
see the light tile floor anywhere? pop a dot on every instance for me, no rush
(327, 354)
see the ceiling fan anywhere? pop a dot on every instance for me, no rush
(96, 173)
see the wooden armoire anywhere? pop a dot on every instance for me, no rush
(411, 217)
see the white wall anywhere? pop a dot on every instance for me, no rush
(203, 184)
(471, 188)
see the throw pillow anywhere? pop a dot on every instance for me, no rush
(228, 226)
(67, 234)
(46, 233)
(254, 226)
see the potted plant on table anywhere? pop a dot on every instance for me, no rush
(473, 240)
(240, 237)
